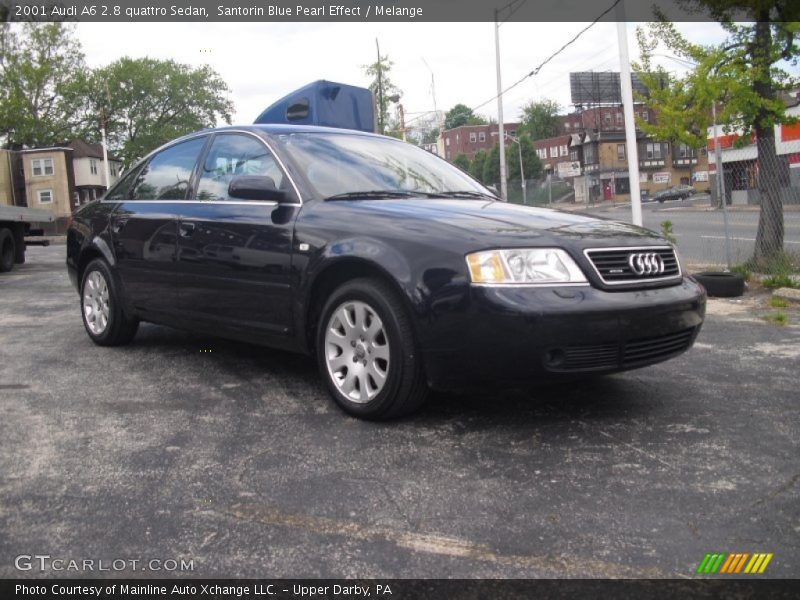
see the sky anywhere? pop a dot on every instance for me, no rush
(262, 62)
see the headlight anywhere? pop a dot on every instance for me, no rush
(524, 266)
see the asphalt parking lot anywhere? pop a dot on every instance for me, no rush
(181, 446)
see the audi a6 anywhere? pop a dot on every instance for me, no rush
(395, 270)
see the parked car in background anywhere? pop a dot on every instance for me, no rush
(394, 269)
(677, 192)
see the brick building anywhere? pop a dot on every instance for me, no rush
(470, 139)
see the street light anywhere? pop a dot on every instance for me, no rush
(521, 169)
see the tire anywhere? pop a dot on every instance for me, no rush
(8, 250)
(366, 352)
(721, 285)
(101, 307)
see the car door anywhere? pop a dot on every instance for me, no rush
(144, 227)
(234, 256)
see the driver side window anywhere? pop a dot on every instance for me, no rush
(232, 155)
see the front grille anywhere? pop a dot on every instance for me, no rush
(619, 355)
(613, 265)
(657, 348)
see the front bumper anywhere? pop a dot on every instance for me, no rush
(521, 335)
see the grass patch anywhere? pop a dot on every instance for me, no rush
(782, 264)
(779, 281)
(743, 271)
(778, 318)
(776, 302)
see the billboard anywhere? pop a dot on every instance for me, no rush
(590, 87)
(664, 177)
(568, 169)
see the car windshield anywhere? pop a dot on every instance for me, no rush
(341, 165)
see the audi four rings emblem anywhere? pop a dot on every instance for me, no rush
(646, 263)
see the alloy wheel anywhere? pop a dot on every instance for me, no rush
(357, 351)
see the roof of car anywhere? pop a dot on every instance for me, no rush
(275, 129)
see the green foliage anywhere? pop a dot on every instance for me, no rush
(743, 75)
(778, 318)
(779, 281)
(775, 302)
(148, 102)
(782, 264)
(531, 163)
(539, 119)
(42, 84)
(461, 114)
(430, 136)
(491, 167)
(477, 165)
(667, 232)
(742, 270)
(462, 162)
(382, 87)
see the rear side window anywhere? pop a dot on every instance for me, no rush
(123, 186)
(231, 155)
(168, 174)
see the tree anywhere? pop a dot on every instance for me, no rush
(461, 161)
(531, 163)
(42, 84)
(743, 75)
(476, 166)
(460, 115)
(382, 87)
(539, 120)
(491, 168)
(148, 102)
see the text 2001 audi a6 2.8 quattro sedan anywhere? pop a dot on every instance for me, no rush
(397, 271)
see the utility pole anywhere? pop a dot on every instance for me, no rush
(106, 170)
(501, 128)
(380, 89)
(630, 123)
(721, 185)
(402, 120)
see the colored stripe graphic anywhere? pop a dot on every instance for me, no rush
(734, 563)
(727, 565)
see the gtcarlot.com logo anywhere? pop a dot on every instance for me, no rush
(735, 563)
(45, 562)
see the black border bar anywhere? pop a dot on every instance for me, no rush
(400, 589)
(375, 11)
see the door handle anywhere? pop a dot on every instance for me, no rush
(186, 229)
(118, 225)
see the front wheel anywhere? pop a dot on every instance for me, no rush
(367, 354)
(101, 307)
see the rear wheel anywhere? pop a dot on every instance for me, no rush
(367, 354)
(8, 250)
(101, 307)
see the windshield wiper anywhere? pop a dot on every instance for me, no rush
(465, 194)
(371, 194)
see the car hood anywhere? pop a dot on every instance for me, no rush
(491, 223)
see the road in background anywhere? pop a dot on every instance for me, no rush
(700, 230)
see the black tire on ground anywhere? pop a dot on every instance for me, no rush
(8, 250)
(405, 388)
(721, 285)
(120, 329)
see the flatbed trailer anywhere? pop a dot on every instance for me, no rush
(16, 223)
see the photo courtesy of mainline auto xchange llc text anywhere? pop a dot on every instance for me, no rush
(399, 300)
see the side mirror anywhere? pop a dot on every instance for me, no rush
(256, 187)
(494, 190)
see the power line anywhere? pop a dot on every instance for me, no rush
(539, 67)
